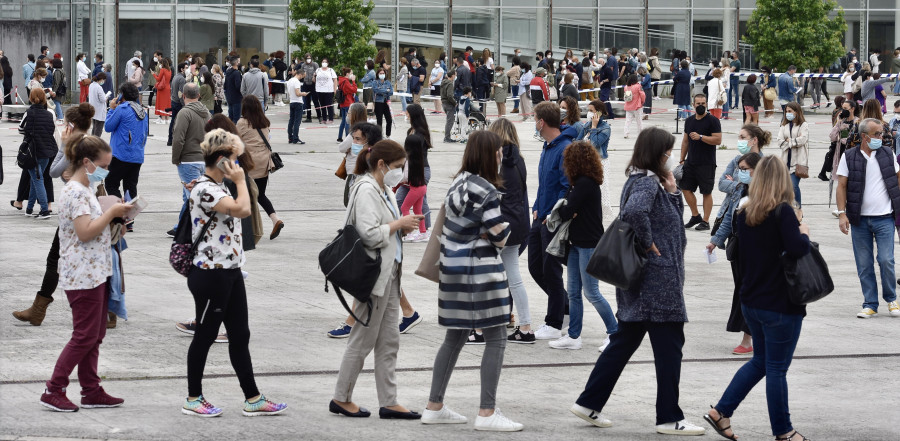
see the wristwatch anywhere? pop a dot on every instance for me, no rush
(840, 212)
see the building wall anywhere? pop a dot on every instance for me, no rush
(20, 38)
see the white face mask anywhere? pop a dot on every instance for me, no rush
(155, 60)
(393, 177)
(380, 76)
(324, 64)
(309, 60)
(190, 60)
(590, 116)
(201, 79)
(671, 162)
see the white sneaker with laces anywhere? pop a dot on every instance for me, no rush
(566, 342)
(412, 237)
(546, 332)
(894, 309)
(591, 416)
(443, 416)
(604, 344)
(682, 427)
(867, 313)
(423, 237)
(497, 423)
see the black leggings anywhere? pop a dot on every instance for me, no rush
(219, 296)
(125, 172)
(51, 274)
(262, 198)
(383, 110)
(326, 101)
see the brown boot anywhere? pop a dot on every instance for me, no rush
(111, 320)
(36, 313)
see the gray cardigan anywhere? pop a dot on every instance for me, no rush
(656, 217)
(370, 214)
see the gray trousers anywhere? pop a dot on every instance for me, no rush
(450, 111)
(491, 363)
(382, 335)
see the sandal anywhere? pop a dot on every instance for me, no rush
(13, 204)
(721, 430)
(791, 436)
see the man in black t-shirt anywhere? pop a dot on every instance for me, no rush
(702, 134)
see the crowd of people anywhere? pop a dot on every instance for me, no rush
(487, 218)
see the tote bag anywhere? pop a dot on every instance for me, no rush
(430, 266)
(618, 259)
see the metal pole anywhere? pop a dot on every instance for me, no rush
(449, 33)
(645, 25)
(550, 25)
(118, 73)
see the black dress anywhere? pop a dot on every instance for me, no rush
(736, 321)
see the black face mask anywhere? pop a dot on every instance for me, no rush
(845, 114)
(701, 110)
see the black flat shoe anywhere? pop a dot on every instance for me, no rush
(335, 408)
(13, 203)
(388, 414)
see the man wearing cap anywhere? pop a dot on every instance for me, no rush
(129, 66)
(310, 67)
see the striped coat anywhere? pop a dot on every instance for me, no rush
(473, 291)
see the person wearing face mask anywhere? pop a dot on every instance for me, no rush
(84, 73)
(434, 83)
(894, 123)
(847, 79)
(751, 139)
(500, 85)
(702, 133)
(326, 84)
(163, 78)
(38, 128)
(310, 101)
(153, 70)
(85, 265)
(651, 203)
(793, 139)
(382, 90)
(179, 80)
(129, 65)
(374, 213)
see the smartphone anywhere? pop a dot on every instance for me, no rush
(119, 98)
(221, 164)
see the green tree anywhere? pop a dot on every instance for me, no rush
(798, 32)
(339, 30)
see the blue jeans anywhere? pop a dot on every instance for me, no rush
(683, 111)
(580, 280)
(296, 115)
(187, 173)
(515, 93)
(59, 112)
(796, 181)
(897, 86)
(734, 92)
(344, 128)
(38, 192)
(775, 337)
(881, 228)
(234, 111)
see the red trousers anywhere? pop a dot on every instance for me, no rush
(84, 93)
(89, 310)
(414, 199)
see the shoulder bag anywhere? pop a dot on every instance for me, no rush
(346, 264)
(430, 266)
(183, 250)
(341, 171)
(618, 259)
(808, 278)
(277, 164)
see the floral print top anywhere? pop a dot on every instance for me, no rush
(82, 265)
(221, 247)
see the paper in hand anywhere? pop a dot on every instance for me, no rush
(710, 256)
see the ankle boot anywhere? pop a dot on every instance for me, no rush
(36, 313)
(111, 320)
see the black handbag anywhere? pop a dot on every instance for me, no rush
(807, 277)
(618, 258)
(346, 264)
(184, 249)
(276, 159)
(25, 159)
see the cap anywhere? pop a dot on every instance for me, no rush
(540, 71)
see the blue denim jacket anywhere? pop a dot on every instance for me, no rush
(382, 90)
(786, 89)
(368, 78)
(599, 137)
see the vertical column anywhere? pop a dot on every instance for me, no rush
(896, 25)
(863, 49)
(728, 30)
(595, 29)
(500, 31)
(395, 37)
(173, 35)
(689, 31)
(542, 27)
(448, 34)
(644, 41)
(231, 25)
(496, 35)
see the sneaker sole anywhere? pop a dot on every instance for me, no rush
(475, 343)
(565, 347)
(201, 415)
(520, 342)
(547, 338)
(424, 421)
(499, 429)
(99, 406)
(338, 336)
(256, 414)
(186, 331)
(411, 325)
(56, 409)
(590, 420)
(865, 316)
(680, 432)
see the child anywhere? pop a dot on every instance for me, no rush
(415, 169)
(465, 101)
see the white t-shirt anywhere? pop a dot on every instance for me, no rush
(221, 247)
(82, 265)
(847, 79)
(876, 201)
(325, 80)
(293, 85)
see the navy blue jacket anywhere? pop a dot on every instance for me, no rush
(232, 86)
(514, 203)
(681, 91)
(552, 182)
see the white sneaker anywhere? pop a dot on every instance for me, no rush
(497, 423)
(604, 344)
(423, 237)
(591, 416)
(682, 427)
(867, 313)
(412, 237)
(443, 416)
(894, 309)
(546, 332)
(566, 342)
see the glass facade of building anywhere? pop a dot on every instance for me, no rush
(704, 28)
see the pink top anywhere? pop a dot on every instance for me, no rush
(637, 100)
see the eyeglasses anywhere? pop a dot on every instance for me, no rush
(876, 134)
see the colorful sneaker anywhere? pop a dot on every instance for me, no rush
(342, 331)
(526, 338)
(894, 309)
(100, 399)
(262, 406)
(201, 408)
(57, 401)
(409, 322)
(740, 350)
(423, 237)
(867, 313)
(188, 327)
(475, 338)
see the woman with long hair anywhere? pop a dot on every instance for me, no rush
(38, 127)
(793, 138)
(769, 223)
(473, 291)
(583, 208)
(253, 128)
(418, 125)
(7, 79)
(415, 147)
(347, 85)
(218, 83)
(163, 91)
(515, 209)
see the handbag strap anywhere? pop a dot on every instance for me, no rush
(340, 296)
(265, 140)
(203, 231)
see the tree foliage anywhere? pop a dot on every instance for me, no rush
(798, 32)
(339, 30)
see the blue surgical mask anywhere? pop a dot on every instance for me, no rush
(356, 148)
(874, 143)
(789, 116)
(743, 146)
(744, 176)
(99, 174)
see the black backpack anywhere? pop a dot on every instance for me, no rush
(339, 95)
(62, 84)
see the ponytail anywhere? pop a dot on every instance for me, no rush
(80, 147)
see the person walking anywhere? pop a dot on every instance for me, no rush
(38, 128)
(750, 98)
(163, 91)
(254, 130)
(374, 213)
(702, 133)
(382, 89)
(473, 287)
(793, 139)
(651, 203)
(188, 134)
(768, 229)
(176, 86)
(85, 266)
(326, 84)
(633, 106)
(868, 199)
(582, 209)
(128, 125)
(215, 278)
(232, 88)
(448, 103)
(347, 86)
(418, 125)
